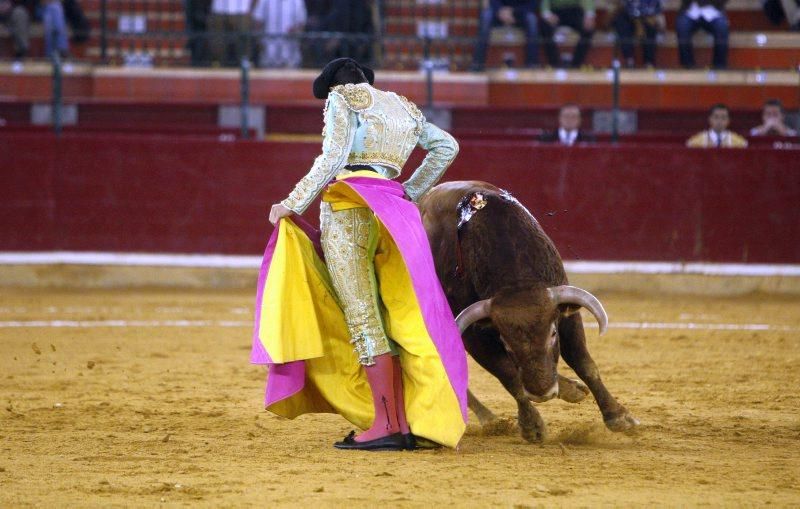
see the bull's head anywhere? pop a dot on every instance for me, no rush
(527, 320)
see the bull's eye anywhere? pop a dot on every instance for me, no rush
(553, 336)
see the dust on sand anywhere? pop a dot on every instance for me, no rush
(145, 414)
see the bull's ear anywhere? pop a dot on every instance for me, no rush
(568, 310)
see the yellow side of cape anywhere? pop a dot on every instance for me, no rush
(301, 320)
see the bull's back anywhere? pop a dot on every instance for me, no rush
(502, 245)
(440, 218)
(438, 206)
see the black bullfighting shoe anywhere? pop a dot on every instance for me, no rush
(416, 442)
(394, 442)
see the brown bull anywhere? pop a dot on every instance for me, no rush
(496, 263)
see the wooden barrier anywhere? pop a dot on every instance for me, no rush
(193, 194)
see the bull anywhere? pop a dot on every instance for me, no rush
(519, 312)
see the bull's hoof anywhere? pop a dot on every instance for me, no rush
(571, 391)
(531, 425)
(623, 423)
(534, 436)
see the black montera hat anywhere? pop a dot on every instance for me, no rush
(322, 84)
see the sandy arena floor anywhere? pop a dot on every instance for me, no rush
(150, 400)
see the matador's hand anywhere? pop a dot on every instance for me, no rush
(277, 212)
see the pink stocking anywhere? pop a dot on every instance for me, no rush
(398, 396)
(381, 380)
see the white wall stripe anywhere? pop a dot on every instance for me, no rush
(698, 326)
(248, 324)
(251, 262)
(123, 323)
(131, 259)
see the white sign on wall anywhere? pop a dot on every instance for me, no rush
(132, 23)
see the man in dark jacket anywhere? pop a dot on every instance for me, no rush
(16, 16)
(638, 19)
(352, 19)
(710, 16)
(578, 15)
(196, 27)
(569, 128)
(520, 13)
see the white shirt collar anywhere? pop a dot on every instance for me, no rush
(567, 137)
(713, 136)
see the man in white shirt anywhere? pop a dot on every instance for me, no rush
(229, 27)
(278, 20)
(569, 128)
(710, 16)
(773, 121)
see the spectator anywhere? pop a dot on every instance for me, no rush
(77, 21)
(710, 16)
(773, 118)
(55, 28)
(777, 10)
(520, 13)
(279, 18)
(569, 128)
(579, 15)
(317, 19)
(641, 19)
(14, 14)
(229, 26)
(353, 19)
(718, 135)
(197, 26)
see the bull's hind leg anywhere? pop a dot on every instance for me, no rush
(485, 416)
(575, 353)
(485, 347)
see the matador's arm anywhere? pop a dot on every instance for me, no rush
(442, 149)
(339, 131)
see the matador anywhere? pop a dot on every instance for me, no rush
(352, 319)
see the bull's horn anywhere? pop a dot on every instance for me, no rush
(473, 313)
(573, 295)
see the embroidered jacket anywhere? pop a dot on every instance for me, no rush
(367, 126)
(710, 139)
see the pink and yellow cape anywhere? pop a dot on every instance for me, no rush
(300, 331)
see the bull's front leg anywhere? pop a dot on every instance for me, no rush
(576, 355)
(571, 391)
(483, 344)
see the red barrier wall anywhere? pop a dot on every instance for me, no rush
(194, 194)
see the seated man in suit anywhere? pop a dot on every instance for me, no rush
(718, 136)
(569, 132)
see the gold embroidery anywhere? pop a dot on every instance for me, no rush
(338, 138)
(358, 97)
(412, 108)
(349, 239)
(387, 127)
(387, 133)
(391, 160)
